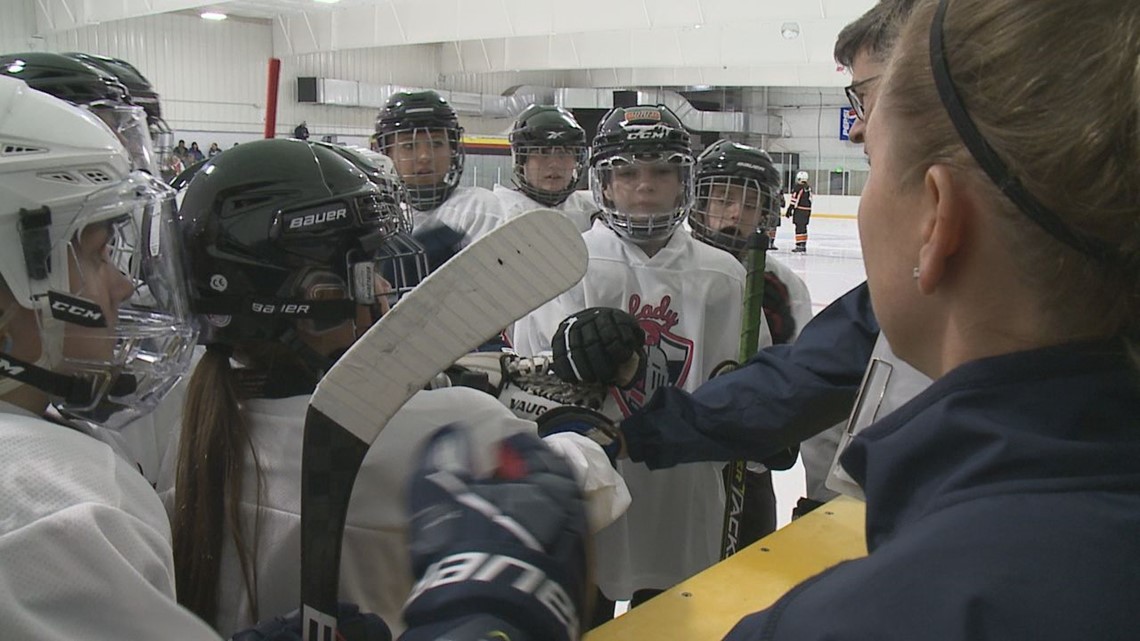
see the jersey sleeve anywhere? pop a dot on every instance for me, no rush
(778, 398)
(84, 548)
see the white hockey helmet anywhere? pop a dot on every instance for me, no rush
(801, 176)
(62, 170)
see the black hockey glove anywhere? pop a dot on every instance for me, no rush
(777, 306)
(509, 547)
(351, 625)
(599, 345)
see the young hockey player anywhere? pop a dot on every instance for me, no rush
(548, 151)
(799, 210)
(686, 298)
(94, 323)
(287, 241)
(92, 88)
(737, 196)
(420, 132)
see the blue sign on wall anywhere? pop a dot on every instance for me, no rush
(846, 121)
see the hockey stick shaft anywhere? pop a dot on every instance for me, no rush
(755, 261)
(487, 286)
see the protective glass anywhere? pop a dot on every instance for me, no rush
(130, 125)
(729, 209)
(643, 197)
(137, 353)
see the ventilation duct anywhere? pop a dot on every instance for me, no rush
(350, 93)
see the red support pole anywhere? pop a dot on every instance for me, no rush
(274, 81)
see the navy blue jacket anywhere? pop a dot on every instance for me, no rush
(1002, 503)
(783, 395)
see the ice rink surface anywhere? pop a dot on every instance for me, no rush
(832, 265)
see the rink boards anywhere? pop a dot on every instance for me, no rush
(706, 606)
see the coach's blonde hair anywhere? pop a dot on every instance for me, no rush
(1054, 87)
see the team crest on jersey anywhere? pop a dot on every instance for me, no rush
(668, 355)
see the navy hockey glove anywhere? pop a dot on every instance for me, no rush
(598, 345)
(351, 625)
(510, 546)
(440, 243)
(580, 420)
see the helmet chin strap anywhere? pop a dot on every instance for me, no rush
(15, 372)
(8, 383)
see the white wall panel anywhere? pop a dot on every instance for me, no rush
(17, 25)
(212, 75)
(411, 65)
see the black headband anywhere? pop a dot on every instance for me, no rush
(989, 161)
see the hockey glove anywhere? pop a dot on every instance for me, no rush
(599, 345)
(777, 306)
(351, 625)
(580, 420)
(509, 545)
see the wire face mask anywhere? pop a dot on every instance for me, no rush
(643, 196)
(729, 209)
(429, 162)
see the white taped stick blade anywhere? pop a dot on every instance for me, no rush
(487, 286)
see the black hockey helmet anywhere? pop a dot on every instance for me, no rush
(71, 80)
(102, 93)
(281, 230)
(417, 114)
(142, 93)
(737, 195)
(543, 127)
(634, 136)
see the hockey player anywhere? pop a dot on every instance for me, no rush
(420, 132)
(685, 297)
(548, 151)
(94, 89)
(286, 242)
(737, 191)
(93, 323)
(799, 210)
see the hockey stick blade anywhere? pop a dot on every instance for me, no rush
(485, 287)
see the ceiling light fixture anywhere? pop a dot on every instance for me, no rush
(327, 1)
(697, 26)
(213, 15)
(790, 30)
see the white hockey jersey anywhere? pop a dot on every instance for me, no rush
(84, 542)
(688, 299)
(471, 210)
(375, 567)
(579, 207)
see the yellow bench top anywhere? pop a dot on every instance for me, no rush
(708, 605)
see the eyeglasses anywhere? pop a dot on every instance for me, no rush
(855, 93)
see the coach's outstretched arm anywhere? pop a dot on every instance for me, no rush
(778, 398)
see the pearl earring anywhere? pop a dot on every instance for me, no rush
(915, 273)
